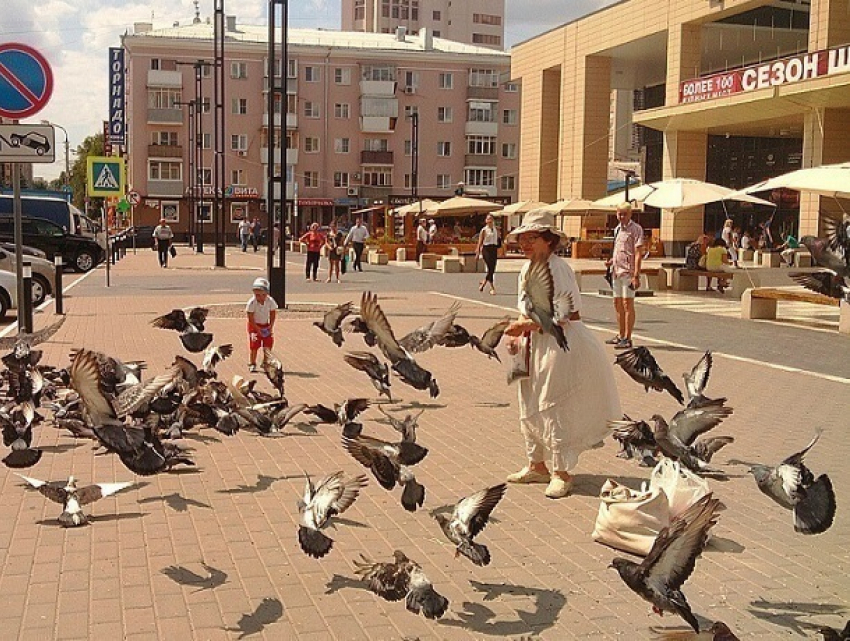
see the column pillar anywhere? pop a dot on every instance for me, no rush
(684, 157)
(550, 134)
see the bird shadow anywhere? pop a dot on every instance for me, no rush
(788, 614)
(176, 502)
(59, 449)
(721, 544)
(416, 405)
(349, 522)
(201, 438)
(302, 374)
(339, 582)
(591, 484)
(123, 516)
(183, 471)
(492, 405)
(737, 461)
(185, 576)
(673, 348)
(269, 611)
(547, 605)
(263, 483)
(306, 429)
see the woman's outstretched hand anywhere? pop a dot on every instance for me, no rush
(521, 326)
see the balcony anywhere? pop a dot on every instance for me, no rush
(165, 151)
(165, 188)
(482, 93)
(291, 85)
(489, 190)
(291, 120)
(165, 116)
(376, 158)
(160, 78)
(370, 107)
(377, 124)
(476, 128)
(291, 156)
(378, 88)
(290, 190)
(480, 160)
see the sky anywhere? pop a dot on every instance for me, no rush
(75, 36)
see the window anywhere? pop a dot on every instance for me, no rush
(408, 147)
(385, 8)
(342, 76)
(481, 145)
(205, 176)
(159, 98)
(481, 111)
(360, 9)
(311, 179)
(238, 212)
(446, 80)
(444, 114)
(411, 79)
(312, 74)
(483, 78)
(444, 181)
(342, 145)
(378, 176)
(206, 71)
(507, 183)
(436, 33)
(381, 73)
(239, 142)
(407, 181)
(239, 106)
(444, 148)
(509, 117)
(311, 109)
(435, 16)
(164, 138)
(292, 68)
(341, 110)
(238, 70)
(376, 144)
(486, 39)
(311, 144)
(206, 105)
(341, 179)
(511, 87)
(156, 63)
(409, 110)
(480, 177)
(162, 170)
(509, 150)
(237, 177)
(486, 18)
(414, 10)
(171, 211)
(206, 141)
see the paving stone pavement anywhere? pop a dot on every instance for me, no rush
(236, 513)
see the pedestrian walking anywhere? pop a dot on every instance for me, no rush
(244, 231)
(256, 233)
(335, 247)
(357, 237)
(625, 262)
(568, 396)
(262, 313)
(728, 236)
(276, 237)
(163, 236)
(314, 239)
(489, 242)
(421, 239)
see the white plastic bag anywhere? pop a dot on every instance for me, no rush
(682, 487)
(630, 520)
(519, 363)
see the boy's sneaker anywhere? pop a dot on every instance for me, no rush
(252, 368)
(613, 341)
(623, 343)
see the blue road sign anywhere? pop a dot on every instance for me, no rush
(26, 81)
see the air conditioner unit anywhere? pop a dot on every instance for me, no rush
(241, 153)
(356, 176)
(353, 191)
(410, 90)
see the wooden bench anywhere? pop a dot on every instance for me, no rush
(687, 280)
(760, 303)
(656, 278)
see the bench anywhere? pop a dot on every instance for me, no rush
(450, 265)
(469, 264)
(656, 278)
(428, 261)
(687, 280)
(760, 303)
(378, 258)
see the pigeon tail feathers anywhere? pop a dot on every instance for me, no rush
(313, 542)
(475, 552)
(427, 600)
(815, 513)
(413, 495)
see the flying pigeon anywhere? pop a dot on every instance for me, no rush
(406, 427)
(793, 486)
(73, 499)
(823, 281)
(659, 578)
(342, 414)
(330, 324)
(191, 328)
(273, 369)
(640, 365)
(22, 344)
(697, 380)
(537, 300)
(401, 360)
(838, 235)
(213, 355)
(115, 375)
(403, 579)
(390, 464)
(825, 256)
(831, 634)
(333, 495)
(469, 517)
(636, 439)
(431, 334)
(378, 373)
(677, 440)
(490, 339)
(356, 325)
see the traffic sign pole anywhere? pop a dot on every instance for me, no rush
(19, 236)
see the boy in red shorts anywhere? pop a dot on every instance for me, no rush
(261, 317)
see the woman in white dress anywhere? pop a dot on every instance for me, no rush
(569, 396)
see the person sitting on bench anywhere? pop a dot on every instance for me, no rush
(717, 260)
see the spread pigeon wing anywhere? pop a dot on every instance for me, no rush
(175, 319)
(689, 423)
(493, 336)
(378, 324)
(696, 381)
(40, 336)
(135, 397)
(92, 493)
(197, 317)
(539, 285)
(333, 318)
(389, 581)
(823, 282)
(49, 490)
(638, 433)
(85, 379)
(424, 338)
(838, 234)
(474, 510)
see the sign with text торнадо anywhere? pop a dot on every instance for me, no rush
(27, 143)
(117, 119)
(26, 81)
(105, 176)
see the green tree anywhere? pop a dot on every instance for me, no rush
(92, 145)
(40, 183)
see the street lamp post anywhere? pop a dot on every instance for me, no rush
(67, 180)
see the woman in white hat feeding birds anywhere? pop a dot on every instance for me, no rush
(569, 394)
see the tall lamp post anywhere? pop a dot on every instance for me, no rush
(67, 153)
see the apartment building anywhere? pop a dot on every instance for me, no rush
(348, 126)
(476, 22)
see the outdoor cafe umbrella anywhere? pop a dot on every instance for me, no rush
(682, 193)
(416, 207)
(828, 180)
(521, 207)
(575, 207)
(461, 206)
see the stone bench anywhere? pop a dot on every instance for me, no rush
(428, 261)
(746, 254)
(687, 280)
(656, 278)
(771, 259)
(469, 265)
(450, 265)
(377, 258)
(802, 258)
(760, 303)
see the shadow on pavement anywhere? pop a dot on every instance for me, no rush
(338, 582)
(591, 484)
(788, 614)
(176, 502)
(185, 576)
(302, 374)
(58, 449)
(263, 483)
(416, 405)
(269, 611)
(721, 544)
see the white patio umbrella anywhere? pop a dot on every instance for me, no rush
(577, 206)
(683, 193)
(828, 180)
(462, 205)
(521, 207)
(415, 208)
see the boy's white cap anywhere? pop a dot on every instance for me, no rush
(261, 283)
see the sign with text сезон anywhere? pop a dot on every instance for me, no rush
(770, 74)
(27, 143)
(105, 176)
(117, 122)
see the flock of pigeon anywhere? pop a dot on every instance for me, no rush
(101, 398)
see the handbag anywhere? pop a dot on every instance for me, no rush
(519, 365)
(630, 520)
(173, 251)
(682, 487)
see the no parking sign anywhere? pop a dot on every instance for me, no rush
(26, 80)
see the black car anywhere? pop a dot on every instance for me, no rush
(79, 252)
(143, 235)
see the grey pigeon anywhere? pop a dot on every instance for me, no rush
(191, 328)
(659, 578)
(697, 379)
(677, 440)
(390, 464)
(73, 499)
(17, 434)
(213, 355)
(356, 325)
(793, 486)
(273, 369)
(331, 322)
(823, 281)
(333, 495)
(490, 339)
(537, 300)
(403, 579)
(640, 365)
(379, 373)
(406, 427)
(636, 439)
(825, 256)
(427, 336)
(838, 235)
(468, 518)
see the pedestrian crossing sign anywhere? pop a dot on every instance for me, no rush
(105, 176)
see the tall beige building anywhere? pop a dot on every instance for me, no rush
(476, 22)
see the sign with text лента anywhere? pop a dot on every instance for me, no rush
(27, 143)
(105, 176)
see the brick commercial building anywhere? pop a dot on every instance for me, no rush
(729, 91)
(350, 97)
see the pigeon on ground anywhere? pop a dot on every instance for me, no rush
(17, 434)
(823, 281)
(379, 373)
(641, 366)
(401, 360)
(636, 440)
(537, 301)
(356, 325)
(73, 499)
(403, 579)
(342, 414)
(831, 634)
(431, 334)
(659, 578)
(153, 456)
(406, 427)
(793, 486)
(333, 495)
(677, 440)
(697, 380)
(273, 369)
(468, 518)
(390, 464)
(331, 323)
(191, 328)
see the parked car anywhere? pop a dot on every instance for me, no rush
(79, 252)
(8, 292)
(43, 274)
(26, 250)
(143, 235)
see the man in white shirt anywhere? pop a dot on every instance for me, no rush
(432, 231)
(357, 236)
(421, 238)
